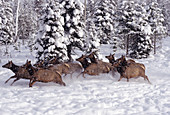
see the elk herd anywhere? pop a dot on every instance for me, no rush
(53, 71)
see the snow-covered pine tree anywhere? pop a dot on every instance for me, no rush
(50, 39)
(123, 15)
(27, 20)
(156, 19)
(104, 10)
(134, 25)
(93, 40)
(39, 7)
(6, 23)
(165, 6)
(74, 25)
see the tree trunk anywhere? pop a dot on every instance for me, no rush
(69, 49)
(16, 23)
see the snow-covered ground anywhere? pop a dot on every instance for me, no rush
(93, 95)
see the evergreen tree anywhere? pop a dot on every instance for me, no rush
(93, 40)
(74, 24)
(156, 19)
(165, 6)
(6, 23)
(50, 40)
(27, 20)
(135, 27)
(104, 10)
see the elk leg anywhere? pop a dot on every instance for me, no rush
(71, 75)
(83, 74)
(15, 80)
(79, 74)
(32, 81)
(31, 84)
(10, 78)
(113, 73)
(61, 83)
(146, 77)
(120, 78)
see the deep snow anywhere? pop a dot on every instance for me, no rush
(93, 95)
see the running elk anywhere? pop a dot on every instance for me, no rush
(130, 71)
(45, 75)
(20, 72)
(94, 68)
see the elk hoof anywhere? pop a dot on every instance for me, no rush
(63, 84)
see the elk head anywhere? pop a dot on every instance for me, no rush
(8, 65)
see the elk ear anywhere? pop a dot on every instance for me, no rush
(10, 62)
(113, 55)
(82, 56)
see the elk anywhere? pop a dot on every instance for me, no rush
(129, 71)
(45, 75)
(42, 75)
(20, 72)
(94, 68)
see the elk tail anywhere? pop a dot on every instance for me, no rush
(58, 73)
(67, 65)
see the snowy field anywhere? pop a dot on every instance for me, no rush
(93, 95)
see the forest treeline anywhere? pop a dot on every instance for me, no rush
(54, 28)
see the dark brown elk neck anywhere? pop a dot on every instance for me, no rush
(121, 69)
(93, 59)
(14, 68)
(124, 63)
(112, 61)
(85, 63)
(31, 69)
